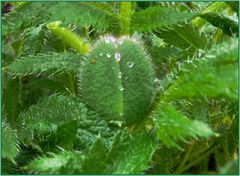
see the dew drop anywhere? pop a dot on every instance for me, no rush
(107, 40)
(120, 75)
(117, 56)
(121, 88)
(108, 55)
(130, 64)
(120, 42)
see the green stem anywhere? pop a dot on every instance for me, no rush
(185, 159)
(69, 37)
(187, 166)
(125, 17)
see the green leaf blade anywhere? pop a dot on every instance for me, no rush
(9, 146)
(214, 75)
(173, 127)
(157, 17)
(45, 63)
(130, 153)
(228, 26)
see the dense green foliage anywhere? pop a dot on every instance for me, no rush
(120, 88)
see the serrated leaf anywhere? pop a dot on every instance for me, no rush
(65, 135)
(94, 158)
(157, 17)
(130, 153)
(79, 13)
(185, 37)
(135, 158)
(21, 17)
(9, 142)
(55, 163)
(209, 7)
(33, 39)
(61, 120)
(45, 63)
(173, 127)
(228, 26)
(214, 75)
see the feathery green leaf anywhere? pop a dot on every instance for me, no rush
(94, 159)
(228, 26)
(213, 75)
(129, 154)
(9, 145)
(80, 14)
(157, 17)
(64, 121)
(185, 37)
(55, 163)
(172, 126)
(47, 64)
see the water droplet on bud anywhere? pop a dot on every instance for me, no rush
(117, 56)
(120, 75)
(121, 88)
(130, 64)
(108, 55)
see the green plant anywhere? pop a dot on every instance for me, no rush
(120, 88)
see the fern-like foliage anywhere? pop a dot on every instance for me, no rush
(184, 37)
(208, 7)
(82, 96)
(34, 39)
(228, 26)
(71, 124)
(157, 17)
(129, 154)
(124, 152)
(10, 146)
(21, 18)
(80, 15)
(47, 64)
(213, 75)
(55, 163)
(172, 126)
